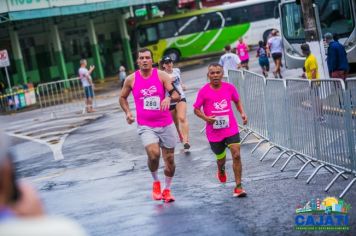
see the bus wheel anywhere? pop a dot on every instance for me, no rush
(173, 54)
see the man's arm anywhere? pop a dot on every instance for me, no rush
(201, 115)
(125, 92)
(91, 68)
(167, 83)
(240, 108)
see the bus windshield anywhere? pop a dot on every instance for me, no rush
(335, 17)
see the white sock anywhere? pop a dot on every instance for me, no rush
(155, 175)
(168, 182)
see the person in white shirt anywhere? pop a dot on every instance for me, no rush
(274, 48)
(87, 82)
(229, 61)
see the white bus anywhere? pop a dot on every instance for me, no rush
(335, 16)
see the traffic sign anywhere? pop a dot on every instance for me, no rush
(4, 58)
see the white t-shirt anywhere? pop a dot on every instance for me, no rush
(177, 83)
(229, 61)
(84, 76)
(275, 44)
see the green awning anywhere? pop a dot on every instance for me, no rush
(76, 9)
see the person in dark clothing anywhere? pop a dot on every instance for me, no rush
(337, 58)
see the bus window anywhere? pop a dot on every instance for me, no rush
(236, 16)
(292, 24)
(167, 29)
(335, 16)
(261, 11)
(188, 26)
(147, 35)
(212, 20)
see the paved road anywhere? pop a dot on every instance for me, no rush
(103, 181)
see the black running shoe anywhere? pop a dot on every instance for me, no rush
(186, 146)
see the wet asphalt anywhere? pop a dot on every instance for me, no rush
(103, 181)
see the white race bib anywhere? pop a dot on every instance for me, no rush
(151, 103)
(242, 52)
(221, 122)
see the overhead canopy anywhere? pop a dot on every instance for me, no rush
(52, 9)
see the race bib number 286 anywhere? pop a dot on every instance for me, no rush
(151, 103)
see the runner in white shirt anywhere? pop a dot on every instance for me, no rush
(229, 61)
(274, 48)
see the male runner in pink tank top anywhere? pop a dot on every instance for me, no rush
(154, 121)
(221, 126)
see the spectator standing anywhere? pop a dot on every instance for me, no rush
(337, 58)
(122, 75)
(87, 82)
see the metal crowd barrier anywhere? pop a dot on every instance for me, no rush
(62, 97)
(313, 121)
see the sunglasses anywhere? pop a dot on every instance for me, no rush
(167, 62)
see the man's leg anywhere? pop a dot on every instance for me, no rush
(237, 167)
(236, 162)
(150, 140)
(169, 170)
(233, 143)
(153, 155)
(168, 141)
(219, 150)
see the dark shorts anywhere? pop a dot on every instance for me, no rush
(276, 55)
(173, 106)
(245, 61)
(219, 147)
(89, 92)
(263, 61)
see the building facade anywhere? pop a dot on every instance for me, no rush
(46, 39)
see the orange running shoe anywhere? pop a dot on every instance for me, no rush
(222, 177)
(167, 196)
(156, 191)
(239, 192)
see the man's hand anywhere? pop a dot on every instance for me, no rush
(244, 118)
(210, 119)
(166, 102)
(92, 67)
(129, 118)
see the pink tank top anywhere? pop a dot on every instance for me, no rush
(148, 94)
(242, 52)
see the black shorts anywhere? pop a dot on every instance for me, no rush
(219, 147)
(173, 106)
(245, 61)
(276, 55)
